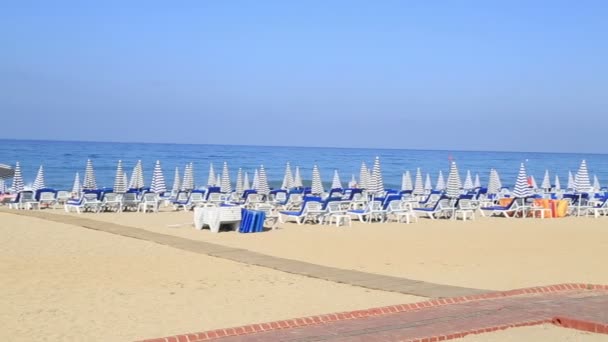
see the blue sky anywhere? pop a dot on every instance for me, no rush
(473, 75)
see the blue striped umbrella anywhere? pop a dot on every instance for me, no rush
(137, 176)
(246, 185)
(225, 185)
(596, 183)
(188, 182)
(176, 181)
(406, 181)
(353, 182)
(39, 181)
(263, 187)
(522, 190)
(212, 178)
(468, 182)
(376, 185)
(77, 187)
(440, 186)
(297, 179)
(558, 186)
(418, 185)
(581, 179)
(288, 178)
(3, 188)
(336, 183)
(428, 186)
(570, 185)
(454, 185)
(120, 186)
(317, 185)
(364, 176)
(255, 183)
(493, 182)
(218, 180)
(477, 182)
(158, 185)
(18, 184)
(239, 182)
(546, 184)
(89, 177)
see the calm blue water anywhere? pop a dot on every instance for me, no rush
(62, 160)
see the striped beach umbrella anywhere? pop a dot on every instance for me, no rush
(287, 178)
(376, 185)
(336, 183)
(533, 184)
(363, 176)
(120, 186)
(406, 181)
(522, 190)
(297, 179)
(468, 182)
(440, 185)
(18, 184)
(477, 182)
(225, 185)
(596, 183)
(317, 185)
(188, 181)
(211, 179)
(39, 181)
(493, 186)
(218, 180)
(137, 176)
(428, 186)
(581, 179)
(3, 188)
(239, 182)
(558, 186)
(246, 184)
(546, 184)
(570, 184)
(454, 185)
(77, 187)
(263, 187)
(158, 180)
(353, 182)
(89, 177)
(255, 183)
(177, 186)
(418, 184)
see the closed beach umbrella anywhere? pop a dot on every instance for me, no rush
(246, 185)
(2, 186)
(477, 182)
(353, 182)
(188, 182)
(287, 178)
(558, 186)
(546, 184)
(493, 186)
(522, 190)
(454, 185)
(89, 177)
(263, 187)
(218, 180)
(440, 186)
(533, 183)
(120, 187)
(363, 176)
(255, 183)
(336, 183)
(428, 186)
(377, 183)
(596, 183)
(468, 182)
(137, 176)
(406, 181)
(125, 179)
(211, 179)
(158, 180)
(581, 179)
(317, 185)
(18, 184)
(39, 181)
(239, 182)
(177, 186)
(297, 179)
(418, 185)
(570, 184)
(76, 187)
(225, 185)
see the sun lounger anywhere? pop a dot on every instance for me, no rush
(310, 204)
(497, 210)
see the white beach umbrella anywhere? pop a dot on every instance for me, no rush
(570, 184)
(428, 186)
(77, 187)
(225, 185)
(137, 176)
(581, 179)
(376, 185)
(239, 182)
(406, 181)
(158, 180)
(287, 178)
(246, 184)
(353, 182)
(364, 176)
(454, 185)
(188, 182)
(546, 184)
(297, 179)
(317, 185)
(89, 177)
(596, 183)
(39, 181)
(440, 185)
(218, 180)
(418, 184)
(477, 181)
(18, 184)
(533, 182)
(558, 186)
(120, 187)
(3, 188)
(522, 190)
(211, 179)
(336, 183)
(263, 187)
(468, 182)
(493, 186)
(255, 183)
(176, 181)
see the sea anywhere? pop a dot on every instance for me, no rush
(62, 159)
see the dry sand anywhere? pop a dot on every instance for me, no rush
(536, 334)
(489, 253)
(66, 283)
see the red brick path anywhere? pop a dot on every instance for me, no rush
(578, 306)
